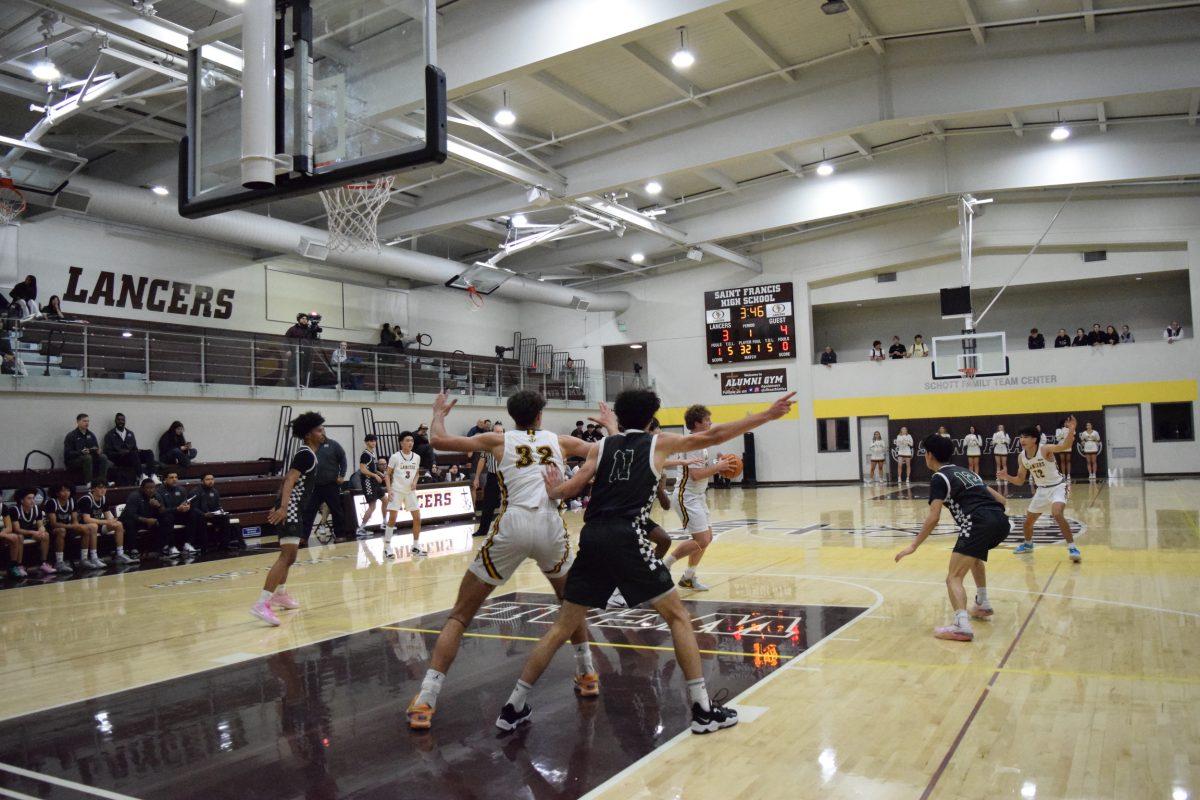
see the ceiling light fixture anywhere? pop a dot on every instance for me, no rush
(635, 347)
(834, 7)
(683, 58)
(1059, 133)
(518, 220)
(825, 169)
(126, 334)
(505, 116)
(637, 258)
(653, 187)
(45, 70)
(160, 190)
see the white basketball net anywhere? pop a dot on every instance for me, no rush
(353, 213)
(12, 202)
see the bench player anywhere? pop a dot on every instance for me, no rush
(1036, 460)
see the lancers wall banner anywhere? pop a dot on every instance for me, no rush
(754, 381)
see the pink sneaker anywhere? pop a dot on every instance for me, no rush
(953, 633)
(47, 569)
(982, 612)
(264, 612)
(284, 600)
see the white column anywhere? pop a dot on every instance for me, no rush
(258, 94)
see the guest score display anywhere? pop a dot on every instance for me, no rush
(754, 323)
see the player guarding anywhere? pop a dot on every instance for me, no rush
(978, 510)
(615, 553)
(690, 499)
(403, 469)
(528, 525)
(1037, 460)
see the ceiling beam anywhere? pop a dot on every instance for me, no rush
(758, 45)
(719, 178)
(1017, 125)
(864, 22)
(579, 100)
(1089, 16)
(504, 140)
(1102, 117)
(786, 161)
(663, 72)
(968, 11)
(938, 130)
(861, 146)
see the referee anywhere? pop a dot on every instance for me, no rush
(485, 471)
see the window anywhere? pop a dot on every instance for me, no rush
(833, 435)
(1172, 422)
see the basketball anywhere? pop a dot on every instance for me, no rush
(733, 468)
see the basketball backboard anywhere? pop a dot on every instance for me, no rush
(482, 277)
(972, 355)
(36, 168)
(318, 94)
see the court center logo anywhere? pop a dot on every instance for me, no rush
(1045, 530)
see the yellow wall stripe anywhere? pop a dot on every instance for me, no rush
(1031, 400)
(730, 412)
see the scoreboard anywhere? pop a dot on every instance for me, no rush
(754, 323)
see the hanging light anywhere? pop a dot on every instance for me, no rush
(637, 258)
(45, 70)
(505, 116)
(683, 58)
(653, 187)
(518, 220)
(160, 190)
(1060, 132)
(825, 169)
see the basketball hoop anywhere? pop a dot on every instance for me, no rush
(353, 212)
(969, 372)
(12, 202)
(474, 298)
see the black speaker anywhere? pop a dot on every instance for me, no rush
(956, 302)
(749, 472)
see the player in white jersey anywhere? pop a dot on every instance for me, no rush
(904, 454)
(696, 470)
(973, 442)
(404, 467)
(1090, 437)
(528, 525)
(1000, 443)
(1037, 461)
(1063, 457)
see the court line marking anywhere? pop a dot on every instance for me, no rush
(962, 732)
(626, 645)
(66, 784)
(1040, 673)
(686, 734)
(17, 795)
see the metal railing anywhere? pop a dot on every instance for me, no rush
(92, 352)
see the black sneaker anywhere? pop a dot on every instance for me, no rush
(716, 718)
(510, 718)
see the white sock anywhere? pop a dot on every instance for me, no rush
(430, 687)
(981, 595)
(519, 694)
(387, 536)
(583, 658)
(264, 596)
(92, 554)
(697, 693)
(962, 620)
(669, 560)
(59, 558)
(280, 589)
(120, 551)
(689, 573)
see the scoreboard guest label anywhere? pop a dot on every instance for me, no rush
(753, 323)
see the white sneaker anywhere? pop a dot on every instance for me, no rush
(388, 552)
(121, 558)
(419, 552)
(617, 600)
(188, 549)
(96, 563)
(173, 551)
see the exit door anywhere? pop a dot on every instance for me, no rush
(1122, 437)
(866, 432)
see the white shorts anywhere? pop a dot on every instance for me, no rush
(999, 450)
(403, 501)
(1090, 449)
(692, 509)
(517, 534)
(1046, 496)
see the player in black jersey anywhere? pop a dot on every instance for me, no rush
(614, 551)
(978, 510)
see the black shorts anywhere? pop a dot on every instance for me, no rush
(614, 555)
(987, 533)
(372, 490)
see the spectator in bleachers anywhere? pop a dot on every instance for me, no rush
(62, 518)
(25, 519)
(93, 510)
(897, 350)
(121, 450)
(828, 357)
(327, 486)
(422, 447)
(453, 474)
(1062, 339)
(876, 352)
(386, 337)
(144, 511)
(1111, 336)
(24, 297)
(174, 447)
(176, 508)
(480, 426)
(919, 348)
(485, 479)
(1080, 339)
(208, 523)
(13, 365)
(1126, 335)
(1096, 336)
(591, 434)
(578, 432)
(81, 451)
(53, 311)
(1173, 332)
(300, 330)
(1036, 340)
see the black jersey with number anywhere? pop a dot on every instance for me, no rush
(304, 462)
(964, 493)
(625, 481)
(25, 520)
(62, 511)
(88, 505)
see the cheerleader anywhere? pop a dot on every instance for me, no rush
(974, 444)
(904, 452)
(1091, 448)
(1000, 443)
(878, 457)
(1063, 458)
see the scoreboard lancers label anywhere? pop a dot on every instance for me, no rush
(753, 323)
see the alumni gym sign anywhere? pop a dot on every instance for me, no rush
(121, 290)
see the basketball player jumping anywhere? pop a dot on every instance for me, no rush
(402, 471)
(982, 526)
(1037, 460)
(297, 489)
(615, 553)
(690, 498)
(528, 525)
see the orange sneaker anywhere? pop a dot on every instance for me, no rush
(420, 717)
(587, 685)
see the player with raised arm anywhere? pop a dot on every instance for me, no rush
(978, 510)
(528, 525)
(1037, 461)
(615, 553)
(403, 470)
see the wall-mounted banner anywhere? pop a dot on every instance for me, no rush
(754, 381)
(122, 290)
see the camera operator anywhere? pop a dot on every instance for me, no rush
(307, 327)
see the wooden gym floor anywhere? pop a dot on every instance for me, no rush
(1084, 685)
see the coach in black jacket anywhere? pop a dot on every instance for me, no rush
(330, 474)
(206, 511)
(121, 449)
(80, 449)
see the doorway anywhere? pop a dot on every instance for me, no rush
(1122, 437)
(625, 368)
(866, 432)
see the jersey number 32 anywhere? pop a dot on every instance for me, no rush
(525, 455)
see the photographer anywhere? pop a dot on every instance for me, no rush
(307, 327)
